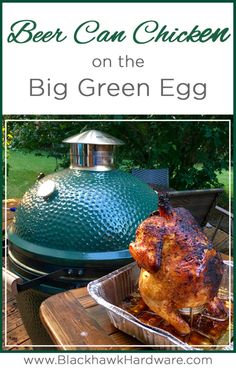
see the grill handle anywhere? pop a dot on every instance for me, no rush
(21, 285)
(15, 284)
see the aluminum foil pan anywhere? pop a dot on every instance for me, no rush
(111, 290)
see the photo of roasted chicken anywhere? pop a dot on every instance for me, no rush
(179, 267)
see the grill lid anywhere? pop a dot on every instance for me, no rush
(89, 215)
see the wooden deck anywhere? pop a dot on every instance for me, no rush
(16, 334)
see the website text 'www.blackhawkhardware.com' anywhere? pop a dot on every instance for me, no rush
(117, 359)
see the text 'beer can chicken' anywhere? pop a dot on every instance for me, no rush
(179, 267)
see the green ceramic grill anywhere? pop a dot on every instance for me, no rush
(75, 225)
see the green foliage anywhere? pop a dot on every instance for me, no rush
(193, 151)
(6, 144)
(127, 165)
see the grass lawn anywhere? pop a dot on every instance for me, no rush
(24, 169)
(223, 200)
(224, 179)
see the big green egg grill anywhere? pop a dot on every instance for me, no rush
(75, 225)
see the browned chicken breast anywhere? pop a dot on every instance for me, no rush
(179, 267)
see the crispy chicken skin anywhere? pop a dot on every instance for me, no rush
(179, 267)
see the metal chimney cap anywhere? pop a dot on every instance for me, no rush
(94, 137)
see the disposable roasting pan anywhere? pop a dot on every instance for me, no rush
(111, 290)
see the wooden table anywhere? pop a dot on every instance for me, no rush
(75, 321)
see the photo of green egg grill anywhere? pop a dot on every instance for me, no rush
(75, 225)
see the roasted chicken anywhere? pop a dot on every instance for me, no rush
(179, 267)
